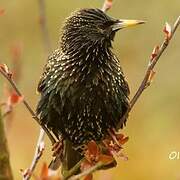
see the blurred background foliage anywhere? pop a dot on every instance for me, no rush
(153, 125)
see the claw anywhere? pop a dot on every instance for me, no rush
(57, 148)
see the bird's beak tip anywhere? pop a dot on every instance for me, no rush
(123, 23)
(127, 23)
(141, 22)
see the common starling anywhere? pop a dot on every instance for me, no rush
(83, 89)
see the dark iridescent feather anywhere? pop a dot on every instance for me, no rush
(83, 89)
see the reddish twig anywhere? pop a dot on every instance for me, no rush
(156, 54)
(145, 83)
(16, 51)
(13, 84)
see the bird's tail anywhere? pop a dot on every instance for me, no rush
(69, 158)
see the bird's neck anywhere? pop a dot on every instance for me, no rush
(88, 53)
(92, 61)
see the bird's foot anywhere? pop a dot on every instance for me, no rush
(57, 155)
(58, 148)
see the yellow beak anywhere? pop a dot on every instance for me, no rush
(123, 23)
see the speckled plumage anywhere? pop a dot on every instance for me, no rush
(83, 89)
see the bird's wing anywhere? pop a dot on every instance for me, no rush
(125, 87)
(48, 70)
(45, 108)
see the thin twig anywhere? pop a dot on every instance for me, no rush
(37, 155)
(13, 84)
(44, 29)
(145, 83)
(16, 53)
(87, 172)
(163, 46)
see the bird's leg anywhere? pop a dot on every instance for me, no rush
(58, 147)
(114, 135)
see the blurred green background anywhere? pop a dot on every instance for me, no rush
(153, 125)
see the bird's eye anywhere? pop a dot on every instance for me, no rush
(106, 24)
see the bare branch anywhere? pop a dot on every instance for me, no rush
(145, 83)
(16, 52)
(38, 153)
(13, 84)
(156, 54)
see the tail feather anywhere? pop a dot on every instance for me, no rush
(68, 160)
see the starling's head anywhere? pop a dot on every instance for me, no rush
(92, 26)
